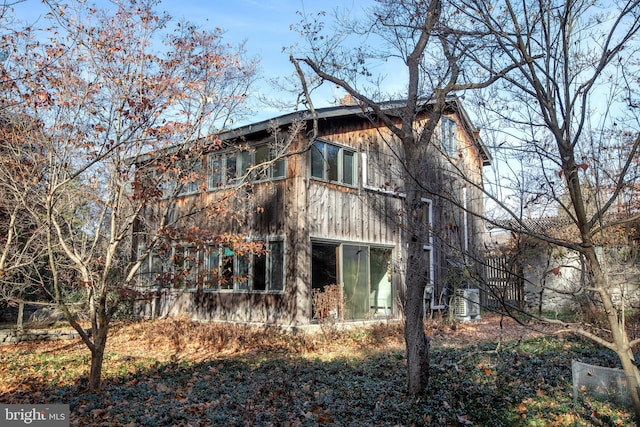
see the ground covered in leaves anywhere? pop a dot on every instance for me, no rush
(179, 373)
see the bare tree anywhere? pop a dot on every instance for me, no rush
(421, 44)
(570, 109)
(106, 94)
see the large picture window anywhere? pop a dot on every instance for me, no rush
(218, 269)
(333, 163)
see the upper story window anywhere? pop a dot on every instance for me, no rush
(232, 168)
(168, 179)
(263, 154)
(448, 128)
(190, 177)
(333, 163)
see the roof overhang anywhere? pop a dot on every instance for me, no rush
(340, 111)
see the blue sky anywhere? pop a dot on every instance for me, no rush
(264, 25)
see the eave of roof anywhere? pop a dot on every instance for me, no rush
(345, 111)
(471, 130)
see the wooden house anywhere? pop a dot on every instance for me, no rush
(328, 210)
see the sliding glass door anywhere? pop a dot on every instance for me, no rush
(363, 273)
(355, 281)
(381, 290)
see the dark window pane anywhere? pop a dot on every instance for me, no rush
(323, 265)
(332, 162)
(317, 160)
(215, 172)
(245, 163)
(348, 167)
(261, 156)
(226, 276)
(242, 272)
(276, 264)
(231, 168)
(278, 169)
(191, 266)
(212, 276)
(178, 259)
(260, 272)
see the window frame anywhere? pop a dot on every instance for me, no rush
(192, 186)
(167, 182)
(271, 171)
(448, 130)
(428, 252)
(331, 253)
(243, 160)
(339, 168)
(190, 260)
(245, 263)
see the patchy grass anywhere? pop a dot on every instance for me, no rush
(177, 372)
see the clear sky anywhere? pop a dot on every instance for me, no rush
(263, 24)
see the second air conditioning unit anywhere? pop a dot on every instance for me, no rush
(466, 304)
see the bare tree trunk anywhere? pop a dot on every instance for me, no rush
(101, 329)
(416, 340)
(631, 372)
(95, 375)
(20, 316)
(618, 331)
(417, 275)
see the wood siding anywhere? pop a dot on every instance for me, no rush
(301, 209)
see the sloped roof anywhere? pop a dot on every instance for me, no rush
(536, 225)
(338, 111)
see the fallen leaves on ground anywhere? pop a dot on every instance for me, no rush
(175, 372)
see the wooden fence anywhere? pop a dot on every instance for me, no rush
(504, 283)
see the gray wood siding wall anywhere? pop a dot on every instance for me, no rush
(300, 208)
(356, 213)
(352, 215)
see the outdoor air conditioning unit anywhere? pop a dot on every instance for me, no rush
(466, 304)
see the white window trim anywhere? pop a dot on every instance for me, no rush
(367, 186)
(450, 145)
(429, 247)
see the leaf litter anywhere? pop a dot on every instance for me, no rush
(175, 372)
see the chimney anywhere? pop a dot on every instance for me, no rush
(347, 100)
